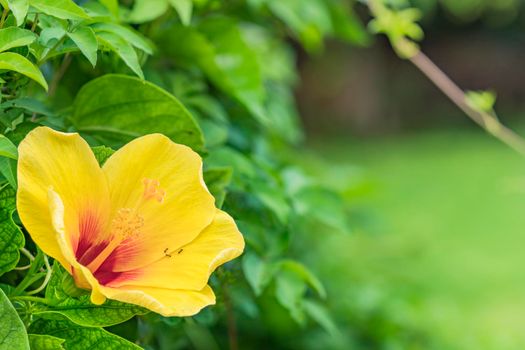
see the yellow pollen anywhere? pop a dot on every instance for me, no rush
(152, 190)
(126, 224)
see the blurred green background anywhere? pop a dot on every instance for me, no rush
(434, 260)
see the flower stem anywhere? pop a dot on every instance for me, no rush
(46, 279)
(4, 15)
(30, 298)
(487, 121)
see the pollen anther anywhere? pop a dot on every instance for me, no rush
(152, 190)
(127, 223)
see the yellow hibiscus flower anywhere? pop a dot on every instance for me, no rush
(143, 229)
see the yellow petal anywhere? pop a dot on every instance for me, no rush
(83, 277)
(167, 302)
(64, 163)
(190, 266)
(162, 181)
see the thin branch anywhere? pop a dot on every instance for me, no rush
(59, 74)
(456, 95)
(46, 279)
(4, 15)
(29, 298)
(27, 253)
(35, 22)
(232, 325)
(487, 121)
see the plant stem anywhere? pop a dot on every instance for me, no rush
(27, 253)
(487, 121)
(59, 74)
(30, 298)
(35, 22)
(232, 325)
(46, 279)
(456, 95)
(4, 15)
(58, 43)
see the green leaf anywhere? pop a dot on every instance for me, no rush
(15, 37)
(125, 107)
(128, 34)
(220, 51)
(102, 153)
(217, 179)
(19, 9)
(289, 291)
(123, 49)
(64, 9)
(84, 37)
(111, 5)
(45, 342)
(18, 63)
(322, 316)
(257, 272)
(184, 8)
(315, 203)
(30, 104)
(7, 148)
(13, 334)
(80, 310)
(147, 10)
(308, 20)
(81, 338)
(482, 101)
(8, 170)
(304, 274)
(11, 238)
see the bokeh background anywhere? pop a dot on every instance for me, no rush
(435, 256)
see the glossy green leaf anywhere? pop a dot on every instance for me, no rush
(19, 9)
(220, 51)
(102, 153)
(8, 170)
(13, 334)
(81, 338)
(184, 8)
(304, 274)
(18, 63)
(11, 238)
(134, 38)
(64, 9)
(217, 179)
(29, 104)
(147, 10)
(111, 5)
(257, 272)
(84, 37)
(123, 49)
(125, 107)
(7, 148)
(45, 342)
(322, 316)
(14, 37)
(79, 309)
(289, 291)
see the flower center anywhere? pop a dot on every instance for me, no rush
(127, 222)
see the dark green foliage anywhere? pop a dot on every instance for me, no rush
(215, 76)
(13, 335)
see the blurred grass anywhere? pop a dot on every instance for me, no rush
(439, 235)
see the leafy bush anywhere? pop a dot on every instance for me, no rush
(215, 76)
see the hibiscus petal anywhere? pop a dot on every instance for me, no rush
(167, 302)
(188, 267)
(63, 162)
(162, 182)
